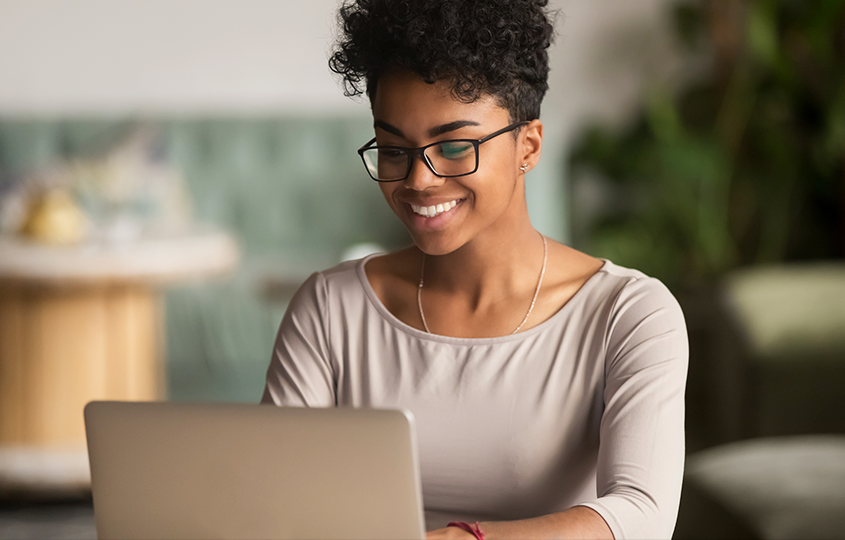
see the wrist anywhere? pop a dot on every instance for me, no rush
(474, 530)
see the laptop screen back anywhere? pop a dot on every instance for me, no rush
(165, 470)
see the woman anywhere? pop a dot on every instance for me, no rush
(547, 385)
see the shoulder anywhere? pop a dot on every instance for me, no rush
(342, 273)
(567, 274)
(327, 286)
(644, 320)
(402, 265)
(632, 290)
(609, 292)
(351, 288)
(394, 278)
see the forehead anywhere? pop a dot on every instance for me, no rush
(404, 97)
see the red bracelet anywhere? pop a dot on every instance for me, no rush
(473, 530)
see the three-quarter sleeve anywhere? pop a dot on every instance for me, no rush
(641, 450)
(300, 372)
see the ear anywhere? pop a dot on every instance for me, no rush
(530, 143)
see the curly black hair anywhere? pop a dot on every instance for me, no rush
(493, 47)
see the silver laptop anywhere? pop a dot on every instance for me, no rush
(166, 470)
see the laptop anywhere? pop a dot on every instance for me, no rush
(169, 470)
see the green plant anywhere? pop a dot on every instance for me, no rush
(742, 165)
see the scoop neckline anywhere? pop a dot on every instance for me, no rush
(408, 329)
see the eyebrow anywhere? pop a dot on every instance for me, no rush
(433, 132)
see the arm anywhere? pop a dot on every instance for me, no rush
(641, 451)
(641, 454)
(301, 372)
(577, 522)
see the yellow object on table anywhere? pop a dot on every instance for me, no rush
(55, 218)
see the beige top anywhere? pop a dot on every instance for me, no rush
(586, 408)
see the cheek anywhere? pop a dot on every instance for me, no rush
(502, 174)
(497, 188)
(387, 190)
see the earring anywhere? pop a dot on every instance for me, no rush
(524, 167)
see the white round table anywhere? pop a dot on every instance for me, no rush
(82, 323)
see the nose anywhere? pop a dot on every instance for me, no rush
(422, 176)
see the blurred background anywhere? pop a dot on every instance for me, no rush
(171, 171)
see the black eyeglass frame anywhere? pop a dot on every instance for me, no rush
(411, 152)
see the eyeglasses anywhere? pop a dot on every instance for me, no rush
(446, 159)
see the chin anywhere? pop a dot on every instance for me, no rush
(436, 246)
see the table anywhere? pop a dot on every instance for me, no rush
(84, 323)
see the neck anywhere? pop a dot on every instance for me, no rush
(490, 267)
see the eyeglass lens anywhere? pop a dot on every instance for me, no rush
(449, 158)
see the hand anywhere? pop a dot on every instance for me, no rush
(449, 533)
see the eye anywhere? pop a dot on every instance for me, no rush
(455, 149)
(391, 154)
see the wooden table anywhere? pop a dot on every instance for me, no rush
(78, 324)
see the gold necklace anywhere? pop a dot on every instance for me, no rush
(530, 308)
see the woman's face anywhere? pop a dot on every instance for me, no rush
(408, 112)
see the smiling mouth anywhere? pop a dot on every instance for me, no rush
(434, 210)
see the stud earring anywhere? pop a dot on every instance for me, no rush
(524, 167)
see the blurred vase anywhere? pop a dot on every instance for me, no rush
(55, 218)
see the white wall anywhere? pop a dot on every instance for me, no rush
(96, 57)
(607, 55)
(118, 56)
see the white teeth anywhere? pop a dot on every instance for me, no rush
(431, 211)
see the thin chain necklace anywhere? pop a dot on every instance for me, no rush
(530, 308)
